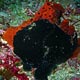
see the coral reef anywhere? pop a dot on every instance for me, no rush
(20, 18)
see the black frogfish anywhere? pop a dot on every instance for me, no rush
(43, 45)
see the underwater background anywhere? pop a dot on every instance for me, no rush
(14, 13)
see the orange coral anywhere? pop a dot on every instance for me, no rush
(50, 11)
(9, 34)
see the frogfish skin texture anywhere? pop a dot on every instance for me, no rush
(43, 45)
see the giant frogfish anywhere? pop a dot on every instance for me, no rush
(43, 45)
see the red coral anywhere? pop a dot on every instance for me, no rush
(65, 25)
(68, 29)
(71, 30)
